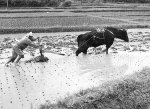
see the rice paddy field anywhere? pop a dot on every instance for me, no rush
(74, 18)
(47, 86)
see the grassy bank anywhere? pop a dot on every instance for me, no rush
(131, 92)
(66, 29)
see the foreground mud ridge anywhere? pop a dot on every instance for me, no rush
(129, 93)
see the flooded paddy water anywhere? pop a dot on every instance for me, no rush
(28, 85)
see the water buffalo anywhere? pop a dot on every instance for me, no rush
(96, 38)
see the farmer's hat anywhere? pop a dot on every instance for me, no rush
(29, 34)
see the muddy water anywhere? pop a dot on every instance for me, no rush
(40, 34)
(27, 85)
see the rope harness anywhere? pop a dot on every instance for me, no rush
(98, 37)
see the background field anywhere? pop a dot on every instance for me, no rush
(13, 20)
(129, 93)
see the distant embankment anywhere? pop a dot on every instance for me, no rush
(64, 29)
(40, 24)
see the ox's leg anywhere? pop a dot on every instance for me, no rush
(85, 51)
(107, 47)
(78, 52)
(107, 50)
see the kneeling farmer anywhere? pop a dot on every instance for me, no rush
(17, 50)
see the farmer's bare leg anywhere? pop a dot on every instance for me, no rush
(20, 54)
(12, 59)
(19, 57)
(14, 56)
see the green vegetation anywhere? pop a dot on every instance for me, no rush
(66, 3)
(125, 1)
(32, 3)
(131, 92)
(129, 1)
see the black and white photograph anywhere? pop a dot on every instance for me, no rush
(74, 54)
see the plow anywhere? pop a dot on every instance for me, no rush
(41, 57)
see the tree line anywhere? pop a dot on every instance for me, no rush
(128, 1)
(34, 3)
(55, 3)
(125, 1)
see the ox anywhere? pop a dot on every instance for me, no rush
(96, 38)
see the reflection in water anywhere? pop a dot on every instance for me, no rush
(91, 63)
(100, 64)
(28, 85)
(96, 69)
